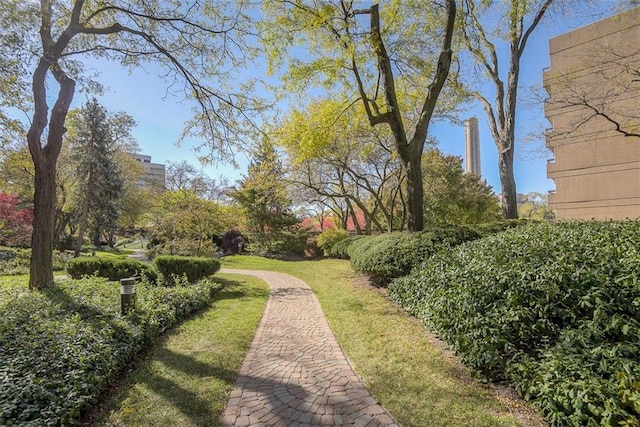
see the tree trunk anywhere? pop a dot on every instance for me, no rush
(82, 226)
(508, 183)
(44, 202)
(44, 162)
(415, 194)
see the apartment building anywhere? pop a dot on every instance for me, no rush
(593, 84)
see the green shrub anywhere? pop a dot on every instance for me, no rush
(193, 268)
(341, 249)
(112, 269)
(328, 238)
(14, 261)
(555, 308)
(385, 257)
(490, 228)
(62, 347)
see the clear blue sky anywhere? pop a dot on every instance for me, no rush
(161, 117)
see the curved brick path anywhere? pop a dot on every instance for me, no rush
(295, 374)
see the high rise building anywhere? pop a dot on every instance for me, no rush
(154, 173)
(594, 110)
(472, 147)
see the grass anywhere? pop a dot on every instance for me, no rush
(414, 379)
(186, 378)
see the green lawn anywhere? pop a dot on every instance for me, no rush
(185, 379)
(415, 380)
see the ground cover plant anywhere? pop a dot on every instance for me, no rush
(186, 378)
(385, 257)
(62, 346)
(552, 307)
(410, 376)
(15, 261)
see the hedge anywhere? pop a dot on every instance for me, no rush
(194, 268)
(329, 238)
(109, 268)
(554, 308)
(60, 348)
(385, 257)
(341, 248)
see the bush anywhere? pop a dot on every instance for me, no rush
(14, 261)
(62, 347)
(109, 268)
(555, 308)
(341, 248)
(490, 228)
(385, 257)
(193, 268)
(328, 239)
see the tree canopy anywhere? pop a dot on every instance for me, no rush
(198, 44)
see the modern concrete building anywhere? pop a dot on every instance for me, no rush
(593, 84)
(472, 147)
(154, 173)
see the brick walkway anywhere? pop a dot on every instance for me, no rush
(295, 374)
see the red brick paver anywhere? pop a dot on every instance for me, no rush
(295, 373)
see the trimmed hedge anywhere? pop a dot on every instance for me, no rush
(385, 257)
(109, 268)
(555, 308)
(62, 347)
(341, 249)
(329, 238)
(194, 268)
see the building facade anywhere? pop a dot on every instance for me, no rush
(154, 173)
(593, 84)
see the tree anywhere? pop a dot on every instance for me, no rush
(535, 205)
(374, 69)
(337, 155)
(455, 197)
(53, 37)
(184, 223)
(482, 20)
(263, 197)
(184, 176)
(100, 180)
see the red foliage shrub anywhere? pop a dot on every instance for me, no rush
(15, 222)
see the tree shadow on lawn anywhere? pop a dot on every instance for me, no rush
(140, 370)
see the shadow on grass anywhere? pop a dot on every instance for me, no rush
(187, 401)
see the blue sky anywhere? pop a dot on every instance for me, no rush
(161, 117)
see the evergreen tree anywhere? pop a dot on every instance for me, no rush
(100, 180)
(263, 196)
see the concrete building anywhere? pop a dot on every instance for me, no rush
(154, 173)
(472, 147)
(594, 109)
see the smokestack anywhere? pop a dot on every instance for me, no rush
(472, 145)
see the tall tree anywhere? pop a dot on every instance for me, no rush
(330, 27)
(511, 22)
(100, 180)
(262, 194)
(198, 43)
(338, 155)
(455, 197)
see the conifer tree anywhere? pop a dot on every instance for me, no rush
(100, 180)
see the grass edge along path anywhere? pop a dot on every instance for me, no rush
(185, 379)
(413, 378)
